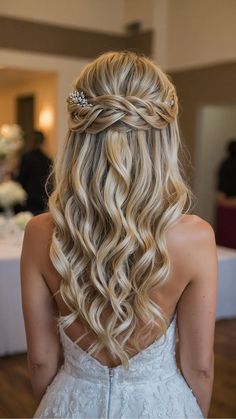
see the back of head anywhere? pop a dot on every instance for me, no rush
(37, 139)
(231, 147)
(118, 188)
(127, 91)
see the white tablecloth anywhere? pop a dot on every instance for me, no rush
(226, 299)
(12, 334)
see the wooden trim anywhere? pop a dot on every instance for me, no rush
(46, 38)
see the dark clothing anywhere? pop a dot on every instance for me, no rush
(33, 173)
(227, 176)
(225, 230)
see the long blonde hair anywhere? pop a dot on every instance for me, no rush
(118, 188)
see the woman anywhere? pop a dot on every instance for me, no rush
(117, 263)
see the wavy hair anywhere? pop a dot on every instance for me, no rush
(118, 187)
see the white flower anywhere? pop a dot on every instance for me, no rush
(11, 140)
(11, 193)
(11, 132)
(22, 218)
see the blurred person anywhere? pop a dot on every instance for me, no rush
(118, 263)
(33, 173)
(227, 177)
(226, 199)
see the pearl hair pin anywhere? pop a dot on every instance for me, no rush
(78, 98)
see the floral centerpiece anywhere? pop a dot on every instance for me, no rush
(14, 227)
(11, 193)
(11, 141)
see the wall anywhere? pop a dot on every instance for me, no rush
(153, 15)
(182, 39)
(139, 10)
(187, 33)
(214, 85)
(44, 90)
(200, 33)
(66, 70)
(96, 15)
(160, 28)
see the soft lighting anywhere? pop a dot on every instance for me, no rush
(46, 119)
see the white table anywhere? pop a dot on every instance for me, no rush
(12, 334)
(226, 298)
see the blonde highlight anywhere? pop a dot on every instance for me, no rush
(118, 188)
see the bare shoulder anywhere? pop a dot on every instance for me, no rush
(190, 229)
(38, 234)
(194, 223)
(40, 224)
(190, 241)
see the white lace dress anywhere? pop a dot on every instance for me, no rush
(152, 388)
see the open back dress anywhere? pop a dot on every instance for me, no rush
(153, 387)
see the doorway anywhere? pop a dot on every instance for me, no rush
(25, 116)
(216, 125)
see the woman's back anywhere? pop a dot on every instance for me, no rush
(117, 262)
(155, 361)
(184, 239)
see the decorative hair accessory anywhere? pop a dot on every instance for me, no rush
(170, 102)
(78, 98)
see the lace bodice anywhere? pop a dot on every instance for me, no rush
(153, 387)
(80, 364)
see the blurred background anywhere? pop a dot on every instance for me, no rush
(43, 47)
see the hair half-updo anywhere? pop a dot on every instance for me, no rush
(118, 188)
